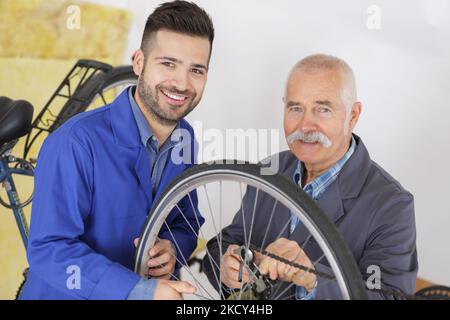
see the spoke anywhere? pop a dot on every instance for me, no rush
(286, 289)
(173, 276)
(323, 281)
(289, 269)
(185, 261)
(198, 224)
(221, 236)
(243, 214)
(220, 233)
(303, 274)
(103, 98)
(216, 231)
(268, 224)
(253, 220)
(203, 297)
(241, 290)
(196, 235)
(318, 259)
(220, 219)
(283, 229)
(211, 259)
(219, 283)
(306, 241)
(291, 296)
(302, 247)
(199, 285)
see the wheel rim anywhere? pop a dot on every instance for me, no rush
(183, 187)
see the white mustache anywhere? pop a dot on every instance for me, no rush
(310, 137)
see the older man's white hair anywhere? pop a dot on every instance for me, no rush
(323, 62)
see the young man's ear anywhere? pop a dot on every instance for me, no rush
(138, 61)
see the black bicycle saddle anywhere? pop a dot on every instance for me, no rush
(15, 119)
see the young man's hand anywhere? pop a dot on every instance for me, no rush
(162, 259)
(172, 290)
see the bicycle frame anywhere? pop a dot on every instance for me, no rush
(52, 115)
(8, 183)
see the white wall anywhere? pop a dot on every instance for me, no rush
(403, 77)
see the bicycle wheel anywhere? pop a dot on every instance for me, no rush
(272, 199)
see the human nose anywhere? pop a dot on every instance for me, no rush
(307, 122)
(180, 80)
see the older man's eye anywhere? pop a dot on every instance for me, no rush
(324, 110)
(294, 109)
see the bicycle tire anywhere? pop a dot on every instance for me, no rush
(434, 293)
(351, 276)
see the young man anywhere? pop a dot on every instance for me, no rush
(99, 174)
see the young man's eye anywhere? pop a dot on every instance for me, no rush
(168, 64)
(197, 71)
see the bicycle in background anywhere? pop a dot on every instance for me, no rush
(88, 85)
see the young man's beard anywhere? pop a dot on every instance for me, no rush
(152, 105)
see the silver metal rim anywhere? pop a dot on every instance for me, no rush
(182, 188)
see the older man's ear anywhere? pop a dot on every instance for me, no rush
(355, 113)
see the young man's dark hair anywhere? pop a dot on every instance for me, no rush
(179, 16)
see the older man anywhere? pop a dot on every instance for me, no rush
(372, 211)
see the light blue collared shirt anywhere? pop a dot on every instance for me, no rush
(157, 156)
(145, 288)
(315, 189)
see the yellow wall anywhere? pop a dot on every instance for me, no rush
(37, 50)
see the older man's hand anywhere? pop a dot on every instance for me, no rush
(229, 269)
(291, 251)
(162, 259)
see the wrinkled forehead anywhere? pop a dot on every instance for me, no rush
(314, 85)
